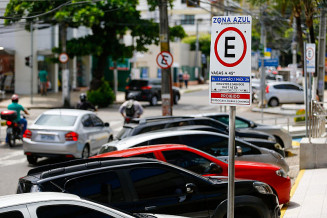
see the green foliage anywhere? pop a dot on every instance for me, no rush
(103, 96)
(300, 112)
(204, 43)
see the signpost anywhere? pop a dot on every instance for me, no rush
(164, 60)
(230, 77)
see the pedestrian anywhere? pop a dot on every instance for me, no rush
(43, 77)
(186, 78)
(131, 109)
(84, 104)
(180, 79)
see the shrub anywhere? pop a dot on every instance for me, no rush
(299, 112)
(103, 96)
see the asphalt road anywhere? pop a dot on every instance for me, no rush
(13, 164)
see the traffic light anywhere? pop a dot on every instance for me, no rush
(193, 3)
(28, 61)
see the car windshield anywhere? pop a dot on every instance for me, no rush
(56, 120)
(125, 132)
(138, 83)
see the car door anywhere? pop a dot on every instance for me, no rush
(295, 93)
(101, 132)
(17, 211)
(89, 132)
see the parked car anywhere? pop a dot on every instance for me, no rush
(284, 92)
(68, 133)
(213, 143)
(202, 163)
(141, 185)
(282, 136)
(54, 205)
(148, 90)
(158, 123)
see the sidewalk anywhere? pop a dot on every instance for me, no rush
(308, 195)
(54, 100)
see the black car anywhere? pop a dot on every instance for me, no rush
(150, 124)
(148, 90)
(152, 186)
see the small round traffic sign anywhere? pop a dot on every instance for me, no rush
(164, 60)
(238, 46)
(310, 53)
(63, 58)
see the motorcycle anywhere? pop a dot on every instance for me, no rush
(14, 129)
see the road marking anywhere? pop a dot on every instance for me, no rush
(8, 159)
(296, 184)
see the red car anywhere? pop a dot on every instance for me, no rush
(207, 165)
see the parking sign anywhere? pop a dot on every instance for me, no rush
(230, 61)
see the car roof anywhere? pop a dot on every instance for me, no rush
(283, 82)
(72, 112)
(25, 198)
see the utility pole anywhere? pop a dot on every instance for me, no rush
(166, 83)
(32, 61)
(65, 70)
(321, 53)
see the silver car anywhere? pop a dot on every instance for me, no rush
(213, 143)
(283, 137)
(69, 133)
(284, 92)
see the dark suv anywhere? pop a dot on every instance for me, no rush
(148, 90)
(152, 186)
(150, 124)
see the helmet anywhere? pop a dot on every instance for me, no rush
(14, 97)
(131, 96)
(82, 96)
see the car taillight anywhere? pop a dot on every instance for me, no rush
(71, 136)
(127, 87)
(8, 123)
(27, 134)
(146, 87)
(267, 89)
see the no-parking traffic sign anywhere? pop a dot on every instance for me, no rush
(230, 61)
(165, 59)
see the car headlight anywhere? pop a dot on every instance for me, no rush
(262, 188)
(281, 173)
(278, 146)
(271, 138)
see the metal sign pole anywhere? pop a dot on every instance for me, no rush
(231, 162)
(306, 89)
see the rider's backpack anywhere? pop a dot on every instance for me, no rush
(130, 110)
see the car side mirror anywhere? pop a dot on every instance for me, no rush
(215, 169)
(252, 124)
(239, 151)
(190, 188)
(106, 124)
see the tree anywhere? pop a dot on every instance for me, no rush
(109, 21)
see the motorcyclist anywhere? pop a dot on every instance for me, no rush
(14, 106)
(131, 109)
(84, 104)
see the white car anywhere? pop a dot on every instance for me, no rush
(70, 133)
(54, 205)
(284, 92)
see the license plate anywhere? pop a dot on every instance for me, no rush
(48, 137)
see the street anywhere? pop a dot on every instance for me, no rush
(14, 164)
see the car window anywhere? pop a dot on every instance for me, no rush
(102, 187)
(238, 122)
(187, 160)
(124, 132)
(246, 149)
(280, 86)
(97, 121)
(138, 83)
(64, 210)
(12, 214)
(152, 128)
(212, 144)
(146, 182)
(165, 140)
(87, 121)
(223, 119)
(293, 87)
(56, 120)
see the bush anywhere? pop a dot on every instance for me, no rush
(299, 112)
(103, 96)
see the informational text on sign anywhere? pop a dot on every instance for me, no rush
(230, 61)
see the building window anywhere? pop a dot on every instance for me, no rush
(187, 20)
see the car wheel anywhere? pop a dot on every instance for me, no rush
(154, 100)
(274, 102)
(32, 159)
(176, 98)
(86, 152)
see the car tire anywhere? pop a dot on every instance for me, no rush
(273, 102)
(154, 100)
(31, 159)
(85, 152)
(176, 99)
